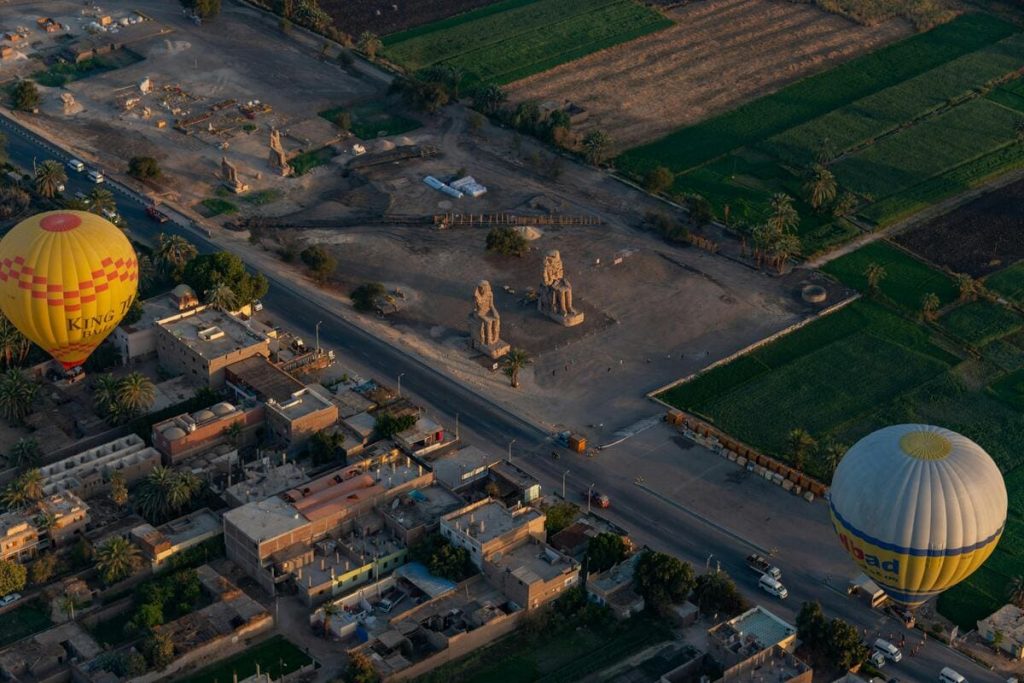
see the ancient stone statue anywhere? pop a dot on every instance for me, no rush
(229, 174)
(278, 157)
(555, 296)
(69, 103)
(485, 323)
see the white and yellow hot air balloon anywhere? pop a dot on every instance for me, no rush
(66, 280)
(918, 508)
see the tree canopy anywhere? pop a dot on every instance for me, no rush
(662, 580)
(204, 272)
(604, 551)
(716, 592)
(12, 577)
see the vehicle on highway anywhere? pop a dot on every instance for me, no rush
(905, 616)
(96, 177)
(596, 498)
(256, 305)
(61, 188)
(877, 660)
(888, 650)
(161, 217)
(83, 197)
(76, 165)
(10, 599)
(948, 675)
(773, 587)
(110, 214)
(761, 565)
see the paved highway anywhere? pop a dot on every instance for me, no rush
(651, 520)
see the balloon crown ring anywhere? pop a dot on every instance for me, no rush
(925, 445)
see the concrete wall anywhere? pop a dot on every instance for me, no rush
(205, 436)
(180, 358)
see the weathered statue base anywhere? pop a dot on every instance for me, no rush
(237, 188)
(493, 351)
(566, 319)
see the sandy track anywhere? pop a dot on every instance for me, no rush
(719, 54)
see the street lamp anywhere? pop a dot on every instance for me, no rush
(319, 323)
(400, 384)
(590, 493)
(563, 483)
(510, 449)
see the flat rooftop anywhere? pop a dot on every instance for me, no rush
(212, 333)
(154, 309)
(531, 562)
(756, 624)
(490, 520)
(183, 529)
(303, 402)
(265, 519)
(424, 506)
(516, 476)
(463, 466)
(265, 379)
(618, 576)
(262, 482)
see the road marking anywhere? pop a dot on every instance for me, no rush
(632, 430)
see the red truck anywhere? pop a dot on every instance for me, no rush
(157, 215)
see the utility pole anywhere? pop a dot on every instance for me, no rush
(510, 450)
(321, 322)
(456, 426)
(400, 384)
(563, 483)
(590, 493)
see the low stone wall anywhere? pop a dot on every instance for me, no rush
(779, 473)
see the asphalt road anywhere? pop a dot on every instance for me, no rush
(652, 521)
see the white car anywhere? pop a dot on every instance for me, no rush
(110, 214)
(10, 599)
(96, 177)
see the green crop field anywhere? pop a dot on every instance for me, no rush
(907, 279)
(902, 160)
(275, 656)
(818, 95)
(1009, 282)
(907, 125)
(980, 322)
(870, 365)
(515, 39)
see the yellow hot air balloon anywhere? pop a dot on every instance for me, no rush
(918, 508)
(66, 280)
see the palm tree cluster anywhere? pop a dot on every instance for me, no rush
(165, 493)
(50, 178)
(826, 457)
(24, 454)
(14, 346)
(17, 394)
(23, 492)
(117, 559)
(775, 239)
(120, 400)
(172, 253)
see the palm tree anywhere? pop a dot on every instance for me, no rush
(45, 521)
(135, 394)
(24, 491)
(369, 43)
(172, 253)
(783, 248)
(14, 346)
(330, 609)
(820, 186)
(831, 454)
(514, 361)
(17, 393)
(24, 454)
(596, 145)
(1015, 591)
(116, 559)
(488, 98)
(233, 433)
(151, 496)
(147, 272)
(221, 297)
(50, 178)
(118, 490)
(967, 287)
(184, 486)
(930, 305)
(782, 215)
(105, 396)
(874, 274)
(800, 444)
(102, 199)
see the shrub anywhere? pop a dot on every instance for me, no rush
(364, 297)
(143, 168)
(658, 179)
(507, 241)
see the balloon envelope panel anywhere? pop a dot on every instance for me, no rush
(918, 508)
(67, 278)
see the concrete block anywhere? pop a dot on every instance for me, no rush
(732, 456)
(809, 497)
(777, 479)
(741, 461)
(787, 484)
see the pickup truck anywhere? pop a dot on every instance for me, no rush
(760, 564)
(156, 214)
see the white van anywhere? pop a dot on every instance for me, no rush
(890, 651)
(773, 587)
(96, 177)
(947, 675)
(76, 165)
